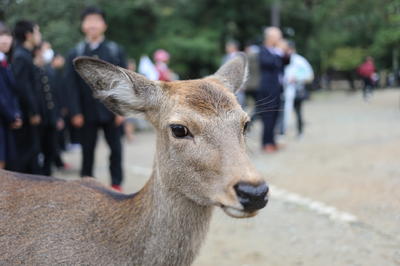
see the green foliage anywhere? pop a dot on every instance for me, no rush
(347, 58)
(330, 33)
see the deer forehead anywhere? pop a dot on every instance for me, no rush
(207, 97)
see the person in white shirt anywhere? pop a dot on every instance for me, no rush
(296, 75)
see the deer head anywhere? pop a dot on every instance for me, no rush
(201, 153)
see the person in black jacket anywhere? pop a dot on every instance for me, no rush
(49, 110)
(269, 94)
(56, 70)
(27, 36)
(86, 111)
(10, 115)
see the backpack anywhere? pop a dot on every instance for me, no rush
(111, 46)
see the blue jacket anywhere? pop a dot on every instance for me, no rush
(9, 108)
(9, 111)
(271, 66)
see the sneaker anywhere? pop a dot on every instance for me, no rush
(270, 148)
(117, 188)
(65, 167)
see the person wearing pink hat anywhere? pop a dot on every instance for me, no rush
(161, 57)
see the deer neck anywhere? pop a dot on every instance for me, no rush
(165, 228)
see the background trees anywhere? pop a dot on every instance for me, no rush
(332, 34)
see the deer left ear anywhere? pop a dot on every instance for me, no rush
(122, 91)
(233, 74)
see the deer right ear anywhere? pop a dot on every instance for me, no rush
(233, 74)
(122, 91)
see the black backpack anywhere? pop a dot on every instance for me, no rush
(111, 46)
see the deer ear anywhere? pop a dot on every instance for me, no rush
(233, 74)
(122, 91)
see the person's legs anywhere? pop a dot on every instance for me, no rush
(129, 129)
(279, 124)
(27, 141)
(267, 136)
(88, 140)
(269, 113)
(367, 89)
(49, 143)
(276, 114)
(73, 132)
(297, 107)
(113, 138)
(289, 93)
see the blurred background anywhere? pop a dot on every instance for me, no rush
(333, 36)
(334, 187)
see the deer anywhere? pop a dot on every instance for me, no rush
(200, 164)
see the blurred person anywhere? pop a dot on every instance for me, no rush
(280, 127)
(53, 68)
(253, 79)
(131, 64)
(231, 50)
(269, 95)
(87, 113)
(367, 72)
(57, 76)
(10, 115)
(147, 68)
(49, 110)
(27, 36)
(254, 75)
(129, 123)
(68, 137)
(297, 74)
(161, 57)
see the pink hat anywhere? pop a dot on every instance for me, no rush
(161, 55)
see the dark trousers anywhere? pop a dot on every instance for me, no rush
(269, 119)
(27, 141)
(48, 143)
(298, 103)
(368, 86)
(112, 135)
(269, 115)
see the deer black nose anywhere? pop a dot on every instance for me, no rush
(252, 197)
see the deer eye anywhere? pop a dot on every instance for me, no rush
(179, 131)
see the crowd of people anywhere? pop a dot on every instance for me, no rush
(43, 100)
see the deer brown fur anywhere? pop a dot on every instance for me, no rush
(49, 221)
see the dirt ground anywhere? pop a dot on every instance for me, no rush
(348, 159)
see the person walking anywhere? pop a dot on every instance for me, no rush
(367, 71)
(87, 112)
(268, 103)
(297, 74)
(161, 57)
(27, 35)
(10, 115)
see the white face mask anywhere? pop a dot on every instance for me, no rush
(48, 56)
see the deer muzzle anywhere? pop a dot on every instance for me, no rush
(252, 197)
